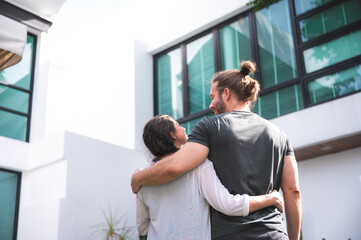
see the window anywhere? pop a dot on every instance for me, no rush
(275, 44)
(329, 20)
(200, 65)
(235, 43)
(280, 102)
(9, 203)
(332, 52)
(170, 98)
(306, 5)
(307, 52)
(16, 94)
(335, 85)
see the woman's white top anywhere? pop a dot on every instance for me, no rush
(179, 209)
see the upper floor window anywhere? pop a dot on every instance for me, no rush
(307, 52)
(16, 83)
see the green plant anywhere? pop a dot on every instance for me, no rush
(114, 228)
(259, 4)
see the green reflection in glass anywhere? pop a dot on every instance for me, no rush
(331, 19)
(335, 85)
(332, 52)
(8, 187)
(280, 102)
(235, 44)
(20, 74)
(200, 63)
(169, 76)
(302, 6)
(13, 125)
(275, 42)
(14, 99)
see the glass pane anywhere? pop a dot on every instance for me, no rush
(200, 62)
(306, 5)
(235, 44)
(190, 124)
(13, 125)
(331, 19)
(20, 74)
(335, 85)
(14, 99)
(332, 52)
(8, 187)
(170, 94)
(275, 42)
(279, 103)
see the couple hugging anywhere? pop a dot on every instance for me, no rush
(223, 182)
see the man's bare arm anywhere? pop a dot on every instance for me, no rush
(292, 197)
(171, 167)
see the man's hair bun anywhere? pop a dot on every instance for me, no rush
(247, 67)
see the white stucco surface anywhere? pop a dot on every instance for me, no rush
(331, 196)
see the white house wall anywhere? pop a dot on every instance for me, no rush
(98, 179)
(331, 196)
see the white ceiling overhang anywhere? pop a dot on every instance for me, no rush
(42, 8)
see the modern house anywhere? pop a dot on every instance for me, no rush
(72, 110)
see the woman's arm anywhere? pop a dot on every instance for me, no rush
(233, 205)
(143, 218)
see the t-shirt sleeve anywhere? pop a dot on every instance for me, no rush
(201, 132)
(143, 218)
(289, 149)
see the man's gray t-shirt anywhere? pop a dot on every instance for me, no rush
(248, 153)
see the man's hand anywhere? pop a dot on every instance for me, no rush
(278, 200)
(133, 182)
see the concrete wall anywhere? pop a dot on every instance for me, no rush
(98, 180)
(331, 196)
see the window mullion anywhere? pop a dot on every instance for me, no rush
(254, 45)
(216, 50)
(185, 80)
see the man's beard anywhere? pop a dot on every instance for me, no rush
(220, 106)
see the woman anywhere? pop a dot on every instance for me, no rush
(179, 209)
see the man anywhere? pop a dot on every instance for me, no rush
(250, 155)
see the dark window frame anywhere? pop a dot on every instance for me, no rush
(17, 203)
(30, 91)
(303, 78)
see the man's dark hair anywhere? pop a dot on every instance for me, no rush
(245, 88)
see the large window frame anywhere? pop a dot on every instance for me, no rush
(29, 91)
(303, 78)
(17, 203)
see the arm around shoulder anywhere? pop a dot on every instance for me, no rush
(171, 167)
(292, 197)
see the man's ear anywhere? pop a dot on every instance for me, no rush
(227, 94)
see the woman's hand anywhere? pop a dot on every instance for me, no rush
(277, 199)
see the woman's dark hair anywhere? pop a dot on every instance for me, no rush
(239, 82)
(157, 135)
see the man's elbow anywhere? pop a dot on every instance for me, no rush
(295, 193)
